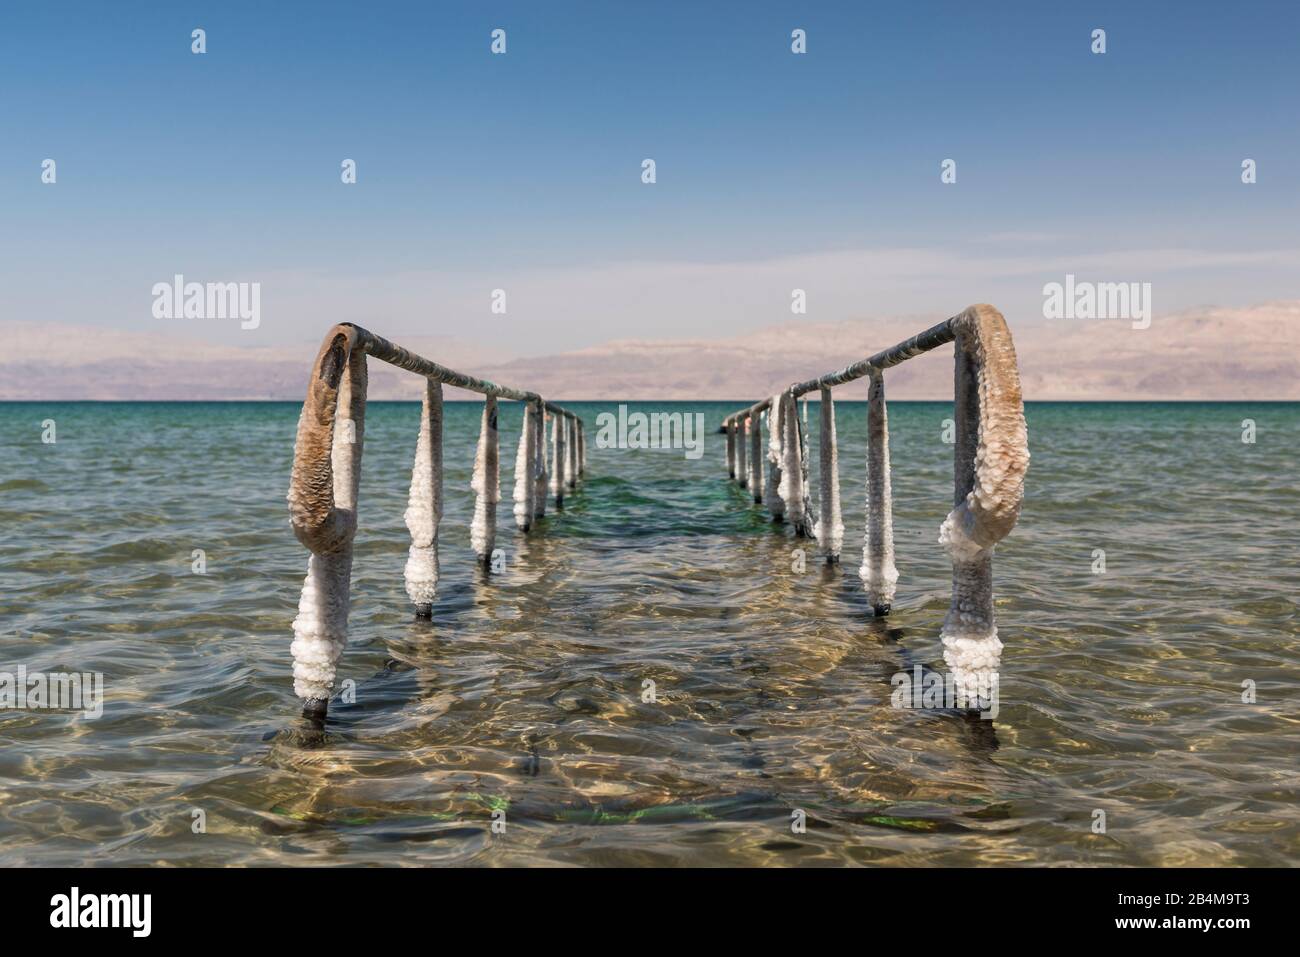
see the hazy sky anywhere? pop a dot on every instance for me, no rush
(523, 171)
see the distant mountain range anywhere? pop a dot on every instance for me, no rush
(1213, 353)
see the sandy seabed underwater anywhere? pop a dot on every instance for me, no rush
(1121, 692)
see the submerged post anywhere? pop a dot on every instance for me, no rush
(830, 523)
(731, 448)
(771, 494)
(524, 469)
(424, 505)
(755, 458)
(991, 458)
(540, 476)
(486, 484)
(323, 506)
(742, 440)
(878, 572)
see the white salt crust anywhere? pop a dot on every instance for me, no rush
(320, 632)
(755, 457)
(742, 450)
(973, 662)
(878, 573)
(539, 462)
(524, 477)
(955, 535)
(989, 511)
(424, 505)
(791, 486)
(830, 523)
(571, 468)
(486, 483)
(771, 494)
(558, 458)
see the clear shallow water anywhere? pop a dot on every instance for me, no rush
(1120, 692)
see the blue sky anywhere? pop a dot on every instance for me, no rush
(522, 171)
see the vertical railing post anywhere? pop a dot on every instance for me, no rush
(878, 572)
(323, 505)
(324, 483)
(424, 504)
(791, 487)
(805, 466)
(989, 463)
(991, 459)
(756, 458)
(557, 460)
(972, 649)
(771, 494)
(571, 446)
(486, 483)
(540, 476)
(525, 482)
(731, 447)
(830, 523)
(742, 441)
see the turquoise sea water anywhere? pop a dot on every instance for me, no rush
(1121, 692)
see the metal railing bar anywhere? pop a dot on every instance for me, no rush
(393, 354)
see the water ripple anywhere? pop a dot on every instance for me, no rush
(528, 695)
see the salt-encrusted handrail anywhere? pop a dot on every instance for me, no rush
(326, 476)
(990, 461)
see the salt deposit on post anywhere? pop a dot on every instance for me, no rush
(424, 505)
(791, 485)
(539, 463)
(771, 495)
(524, 481)
(323, 507)
(731, 448)
(878, 573)
(742, 440)
(486, 484)
(755, 458)
(558, 460)
(571, 443)
(830, 524)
